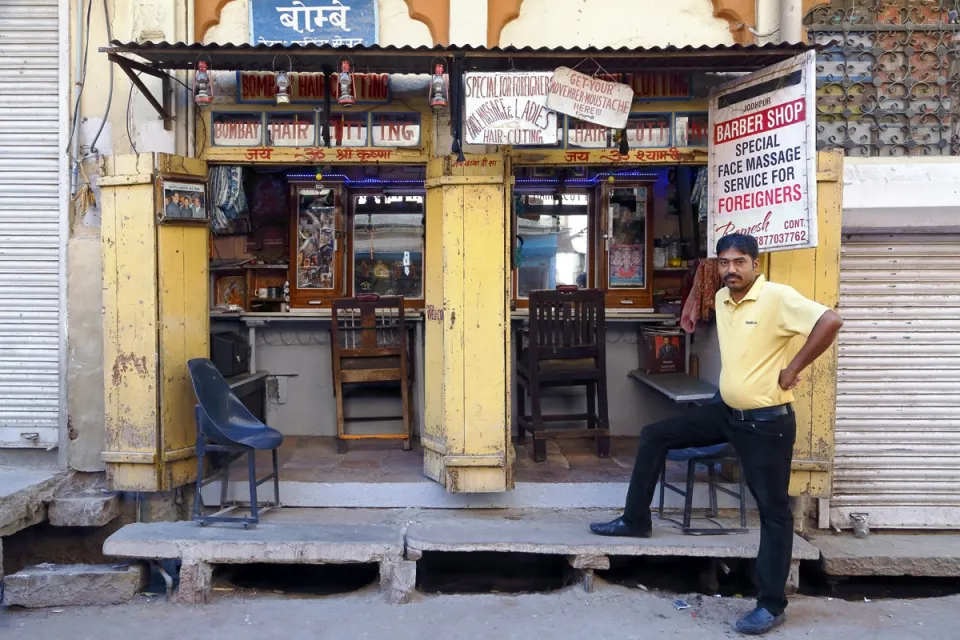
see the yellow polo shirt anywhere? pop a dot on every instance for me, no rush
(754, 335)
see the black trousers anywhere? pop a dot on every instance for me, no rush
(765, 450)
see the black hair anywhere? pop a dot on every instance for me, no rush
(739, 242)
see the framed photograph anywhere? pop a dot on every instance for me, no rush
(182, 200)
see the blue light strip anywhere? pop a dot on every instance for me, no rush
(377, 182)
(589, 181)
(373, 182)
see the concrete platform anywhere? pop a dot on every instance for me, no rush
(567, 533)
(200, 548)
(890, 554)
(397, 538)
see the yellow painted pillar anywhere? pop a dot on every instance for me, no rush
(815, 273)
(155, 317)
(466, 436)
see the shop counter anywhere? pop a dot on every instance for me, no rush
(679, 387)
(258, 320)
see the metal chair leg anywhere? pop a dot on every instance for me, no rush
(252, 467)
(663, 485)
(276, 480)
(743, 499)
(688, 495)
(712, 489)
(225, 482)
(197, 500)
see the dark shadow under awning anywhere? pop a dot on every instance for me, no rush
(417, 60)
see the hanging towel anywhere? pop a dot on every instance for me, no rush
(699, 194)
(699, 305)
(227, 195)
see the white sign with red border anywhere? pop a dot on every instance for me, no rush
(763, 156)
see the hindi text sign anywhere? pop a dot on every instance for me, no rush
(508, 109)
(762, 157)
(590, 99)
(341, 23)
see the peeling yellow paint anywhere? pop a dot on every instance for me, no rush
(155, 317)
(466, 379)
(815, 273)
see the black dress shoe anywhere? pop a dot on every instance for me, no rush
(619, 528)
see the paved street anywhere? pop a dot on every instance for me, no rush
(610, 613)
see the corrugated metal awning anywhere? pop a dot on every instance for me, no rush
(392, 59)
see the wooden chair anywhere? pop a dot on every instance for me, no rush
(369, 344)
(565, 346)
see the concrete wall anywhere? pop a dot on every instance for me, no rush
(615, 23)
(130, 123)
(878, 193)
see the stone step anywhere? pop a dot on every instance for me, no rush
(397, 538)
(200, 548)
(430, 495)
(57, 585)
(928, 555)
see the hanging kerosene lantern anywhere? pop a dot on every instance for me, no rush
(438, 87)
(283, 82)
(347, 95)
(202, 87)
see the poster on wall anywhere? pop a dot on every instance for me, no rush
(182, 201)
(590, 99)
(341, 23)
(508, 109)
(762, 157)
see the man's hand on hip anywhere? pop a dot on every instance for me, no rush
(789, 379)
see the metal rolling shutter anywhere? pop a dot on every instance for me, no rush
(897, 457)
(30, 328)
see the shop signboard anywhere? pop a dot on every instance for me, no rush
(395, 129)
(644, 131)
(654, 85)
(508, 109)
(762, 156)
(260, 87)
(341, 23)
(236, 129)
(590, 98)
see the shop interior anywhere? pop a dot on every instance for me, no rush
(289, 241)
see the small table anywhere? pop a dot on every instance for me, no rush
(679, 387)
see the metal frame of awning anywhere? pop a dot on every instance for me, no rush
(157, 58)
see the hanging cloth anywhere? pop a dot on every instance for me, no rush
(699, 194)
(699, 305)
(227, 195)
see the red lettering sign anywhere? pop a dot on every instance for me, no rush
(260, 87)
(782, 115)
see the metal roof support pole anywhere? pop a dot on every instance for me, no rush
(128, 67)
(327, 102)
(456, 105)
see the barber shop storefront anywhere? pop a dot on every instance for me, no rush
(377, 248)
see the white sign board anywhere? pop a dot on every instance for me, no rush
(590, 99)
(763, 177)
(508, 108)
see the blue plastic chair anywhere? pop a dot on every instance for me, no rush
(225, 426)
(710, 457)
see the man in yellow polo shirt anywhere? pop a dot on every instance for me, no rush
(756, 321)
